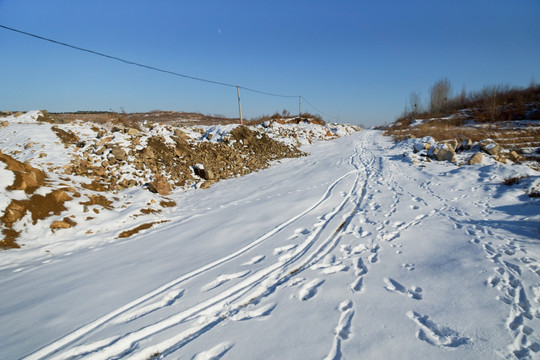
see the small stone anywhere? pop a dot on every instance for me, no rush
(60, 225)
(60, 196)
(104, 140)
(119, 153)
(132, 131)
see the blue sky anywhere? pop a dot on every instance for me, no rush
(356, 60)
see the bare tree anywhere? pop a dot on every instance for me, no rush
(439, 95)
(415, 103)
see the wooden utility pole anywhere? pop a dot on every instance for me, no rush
(300, 107)
(239, 105)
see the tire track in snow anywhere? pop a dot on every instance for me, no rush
(269, 278)
(248, 291)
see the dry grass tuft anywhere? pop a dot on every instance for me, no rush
(514, 180)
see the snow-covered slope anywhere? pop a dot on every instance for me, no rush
(352, 252)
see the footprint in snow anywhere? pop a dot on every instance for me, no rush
(220, 280)
(334, 269)
(282, 249)
(342, 330)
(435, 334)
(215, 353)
(394, 286)
(409, 267)
(310, 289)
(357, 285)
(299, 232)
(169, 299)
(255, 260)
(261, 311)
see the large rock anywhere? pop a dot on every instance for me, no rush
(466, 144)
(514, 156)
(204, 173)
(417, 147)
(451, 144)
(491, 147)
(476, 159)
(446, 154)
(160, 185)
(179, 133)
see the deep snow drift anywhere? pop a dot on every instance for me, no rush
(352, 252)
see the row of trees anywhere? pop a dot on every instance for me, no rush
(491, 101)
(439, 95)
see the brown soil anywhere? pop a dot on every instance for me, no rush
(164, 203)
(98, 200)
(27, 178)
(67, 137)
(39, 206)
(134, 231)
(150, 211)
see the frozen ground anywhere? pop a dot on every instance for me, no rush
(352, 252)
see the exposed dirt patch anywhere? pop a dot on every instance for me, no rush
(9, 240)
(97, 199)
(39, 206)
(46, 117)
(67, 137)
(96, 185)
(150, 211)
(164, 203)
(66, 223)
(27, 178)
(128, 233)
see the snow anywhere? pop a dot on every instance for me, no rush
(354, 251)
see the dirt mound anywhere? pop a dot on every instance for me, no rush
(176, 159)
(92, 159)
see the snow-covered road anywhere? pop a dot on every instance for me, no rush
(352, 252)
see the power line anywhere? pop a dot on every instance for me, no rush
(313, 106)
(117, 58)
(155, 68)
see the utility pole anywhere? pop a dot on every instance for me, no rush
(239, 105)
(299, 107)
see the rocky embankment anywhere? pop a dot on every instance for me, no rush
(57, 174)
(463, 152)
